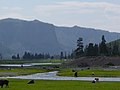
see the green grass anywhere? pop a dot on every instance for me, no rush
(31, 61)
(88, 73)
(20, 71)
(17, 84)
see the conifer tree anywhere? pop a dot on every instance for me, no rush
(79, 51)
(115, 50)
(103, 47)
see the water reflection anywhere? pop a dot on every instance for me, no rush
(15, 65)
(27, 65)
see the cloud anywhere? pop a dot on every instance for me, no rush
(78, 6)
(102, 15)
(94, 14)
(12, 15)
(13, 12)
(11, 9)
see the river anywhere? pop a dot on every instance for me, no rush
(27, 65)
(53, 76)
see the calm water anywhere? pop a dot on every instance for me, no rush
(27, 65)
(15, 65)
(52, 75)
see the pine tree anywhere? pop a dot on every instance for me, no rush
(90, 50)
(115, 50)
(14, 57)
(96, 50)
(79, 51)
(18, 56)
(61, 55)
(103, 47)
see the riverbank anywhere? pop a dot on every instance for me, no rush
(87, 72)
(83, 72)
(5, 72)
(53, 76)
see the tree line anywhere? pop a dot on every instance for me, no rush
(31, 56)
(92, 49)
(28, 55)
(101, 49)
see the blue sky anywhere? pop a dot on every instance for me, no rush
(100, 14)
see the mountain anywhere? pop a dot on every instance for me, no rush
(34, 36)
(115, 42)
(18, 36)
(68, 36)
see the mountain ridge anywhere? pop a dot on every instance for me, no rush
(36, 36)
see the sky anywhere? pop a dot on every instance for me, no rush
(99, 14)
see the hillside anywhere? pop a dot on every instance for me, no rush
(34, 36)
(68, 36)
(100, 61)
(115, 41)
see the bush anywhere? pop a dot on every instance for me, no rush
(110, 64)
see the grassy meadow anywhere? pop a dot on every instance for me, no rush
(20, 71)
(31, 61)
(15, 71)
(88, 72)
(18, 84)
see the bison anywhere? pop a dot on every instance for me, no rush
(93, 81)
(31, 82)
(97, 79)
(4, 82)
(75, 74)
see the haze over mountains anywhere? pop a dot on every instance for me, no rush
(18, 36)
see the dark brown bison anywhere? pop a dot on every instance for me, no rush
(93, 81)
(97, 79)
(75, 74)
(4, 82)
(31, 82)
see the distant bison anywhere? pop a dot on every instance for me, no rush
(75, 74)
(97, 79)
(93, 81)
(31, 82)
(4, 82)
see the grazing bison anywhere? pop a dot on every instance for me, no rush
(75, 74)
(4, 82)
(93, 73)
(97, 79)
(31, 82)
(93, 81)
(73, 70)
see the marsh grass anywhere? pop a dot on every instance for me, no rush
(31, 61)
(86, 72)
(20, 71)
(18, 84)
